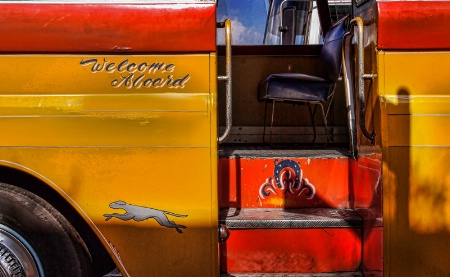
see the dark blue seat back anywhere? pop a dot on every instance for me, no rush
(330, 59)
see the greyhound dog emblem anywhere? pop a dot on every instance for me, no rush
(139, 213)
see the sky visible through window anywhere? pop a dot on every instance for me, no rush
(248, 20)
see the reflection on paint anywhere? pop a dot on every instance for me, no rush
(429, 191)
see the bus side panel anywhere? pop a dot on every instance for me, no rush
(138, 161)
(95, 28)
(413, 25)
(416, 114)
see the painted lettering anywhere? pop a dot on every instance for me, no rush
(137, 83)
(131, 68)
(179, 83)
(170, 67)
(126, 81)
(155, 67)
(96, 67)
(122, 66)
(136, 75)
(110, 67)
(148, 83)
(142, 67)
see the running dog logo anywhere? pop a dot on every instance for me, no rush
(139, 213)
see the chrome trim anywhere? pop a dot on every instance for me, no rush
(227, 78)
(24, 254)
(358, 22)
(348, 79)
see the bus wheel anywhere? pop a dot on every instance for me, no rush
(36, 240)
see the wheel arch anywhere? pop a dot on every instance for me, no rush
(16, 175)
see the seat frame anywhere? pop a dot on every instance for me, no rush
(311, 113)
(329, 75)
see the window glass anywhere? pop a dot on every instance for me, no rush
(275, 22)
(287, 22)
(108, 1)
(339, 9)
(248, 20)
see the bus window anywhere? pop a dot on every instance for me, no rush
(287, 23)
(248, 20)
(339, 9)
(276, 22)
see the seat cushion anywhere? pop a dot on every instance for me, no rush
(294, 87)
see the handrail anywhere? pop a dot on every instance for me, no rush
(348, 79)
(361, 76)
(227, 78)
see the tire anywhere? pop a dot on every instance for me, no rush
(36, 240)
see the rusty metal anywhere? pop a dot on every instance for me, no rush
(224, 233)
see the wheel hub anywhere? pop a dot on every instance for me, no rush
(15, 258)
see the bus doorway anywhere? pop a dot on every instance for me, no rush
(290, 191)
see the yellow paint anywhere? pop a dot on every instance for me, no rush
(29, 74)
(214, 244)
(416, 73)
(414, 91)
(417, 104)
(96, 144)
(419, 130)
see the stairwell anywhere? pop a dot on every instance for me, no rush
(299, 213)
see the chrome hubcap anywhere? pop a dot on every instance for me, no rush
(15, 258)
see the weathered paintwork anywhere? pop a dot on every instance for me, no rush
(418, 25)
(345, 183)
(108, 130)
(307, 250)
(96, 142)
(415, 114)
(406, 45)
(365, 182)
(107, 27)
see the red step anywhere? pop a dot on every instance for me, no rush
(312, 178)
(296, 212)
(336, 274)
(316, 240)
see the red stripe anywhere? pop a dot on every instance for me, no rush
(107, 28)
(414, 25)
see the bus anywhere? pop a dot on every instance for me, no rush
(224, 138)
